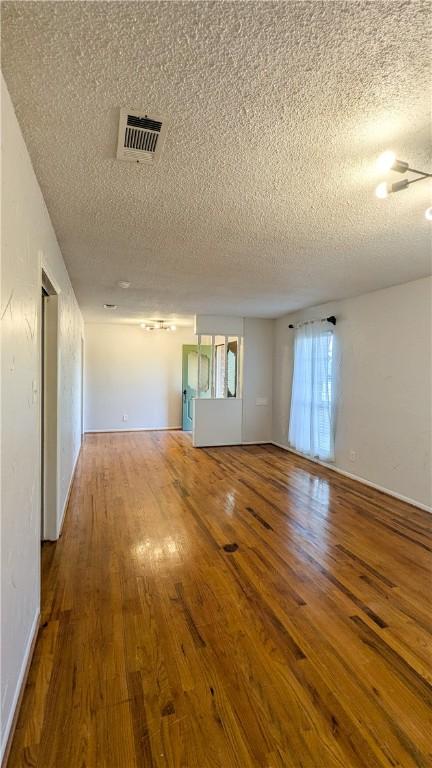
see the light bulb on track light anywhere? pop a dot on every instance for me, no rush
(386, 161)
(382, 190)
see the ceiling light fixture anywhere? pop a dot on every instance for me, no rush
(110, 306)
(428, 214)
(158, 325)
(382, 190)
(123, 284)
(389, 162)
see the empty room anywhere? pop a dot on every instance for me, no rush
(216, 384)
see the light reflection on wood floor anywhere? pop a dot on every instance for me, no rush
(307, 645)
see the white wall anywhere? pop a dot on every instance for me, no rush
(27, 240)
(134, 372)
(257, 380)
(384, 412)
(218, 325)
(255, 407)
(217, 421)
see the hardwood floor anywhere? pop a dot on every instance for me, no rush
(308, 645)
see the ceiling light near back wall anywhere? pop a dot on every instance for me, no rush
(158, 325)
(123, 284)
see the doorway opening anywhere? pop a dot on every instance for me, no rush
(49, 396)
(196, 379)
(212, 370)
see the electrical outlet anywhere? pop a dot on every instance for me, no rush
(125, 417)
(353, 456)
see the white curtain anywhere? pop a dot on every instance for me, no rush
(311, 427)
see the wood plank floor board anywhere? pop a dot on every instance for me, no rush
(308, 645)
(314, 648)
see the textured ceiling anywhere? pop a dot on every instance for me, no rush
(262, 201)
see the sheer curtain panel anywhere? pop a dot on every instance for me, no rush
(311, 427)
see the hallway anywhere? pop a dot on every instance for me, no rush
(306, 645)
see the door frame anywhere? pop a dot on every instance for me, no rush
(49, 389)
(82, 388)
(186, 349)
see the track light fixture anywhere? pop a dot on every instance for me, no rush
(389, 162)
(383, 189)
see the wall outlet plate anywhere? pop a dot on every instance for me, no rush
(125, 417)
(353, 456)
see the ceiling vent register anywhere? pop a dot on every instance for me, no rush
(140, 138)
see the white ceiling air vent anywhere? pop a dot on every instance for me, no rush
(140, 137)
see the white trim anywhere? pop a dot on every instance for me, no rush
(20, 682)
(257, 442)
(239, 445)
(45, 267)
(213, 366)
(198, 391)
(225, 394)
(133, 429)
(359, 479)
(66, 501)
(239, 382)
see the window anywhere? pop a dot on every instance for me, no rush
(224, 371)
(232, 368)
(219, 370)
(204, 383)
(311, 428)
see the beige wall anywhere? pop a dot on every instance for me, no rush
(257, 380)
(136, 373)
(384, 410)
(129, 371)
(28, 240)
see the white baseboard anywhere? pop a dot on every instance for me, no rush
(359, 479)
(65, 505)
(19, 690)
(132, 429)
(257, 442)
(234, 445)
